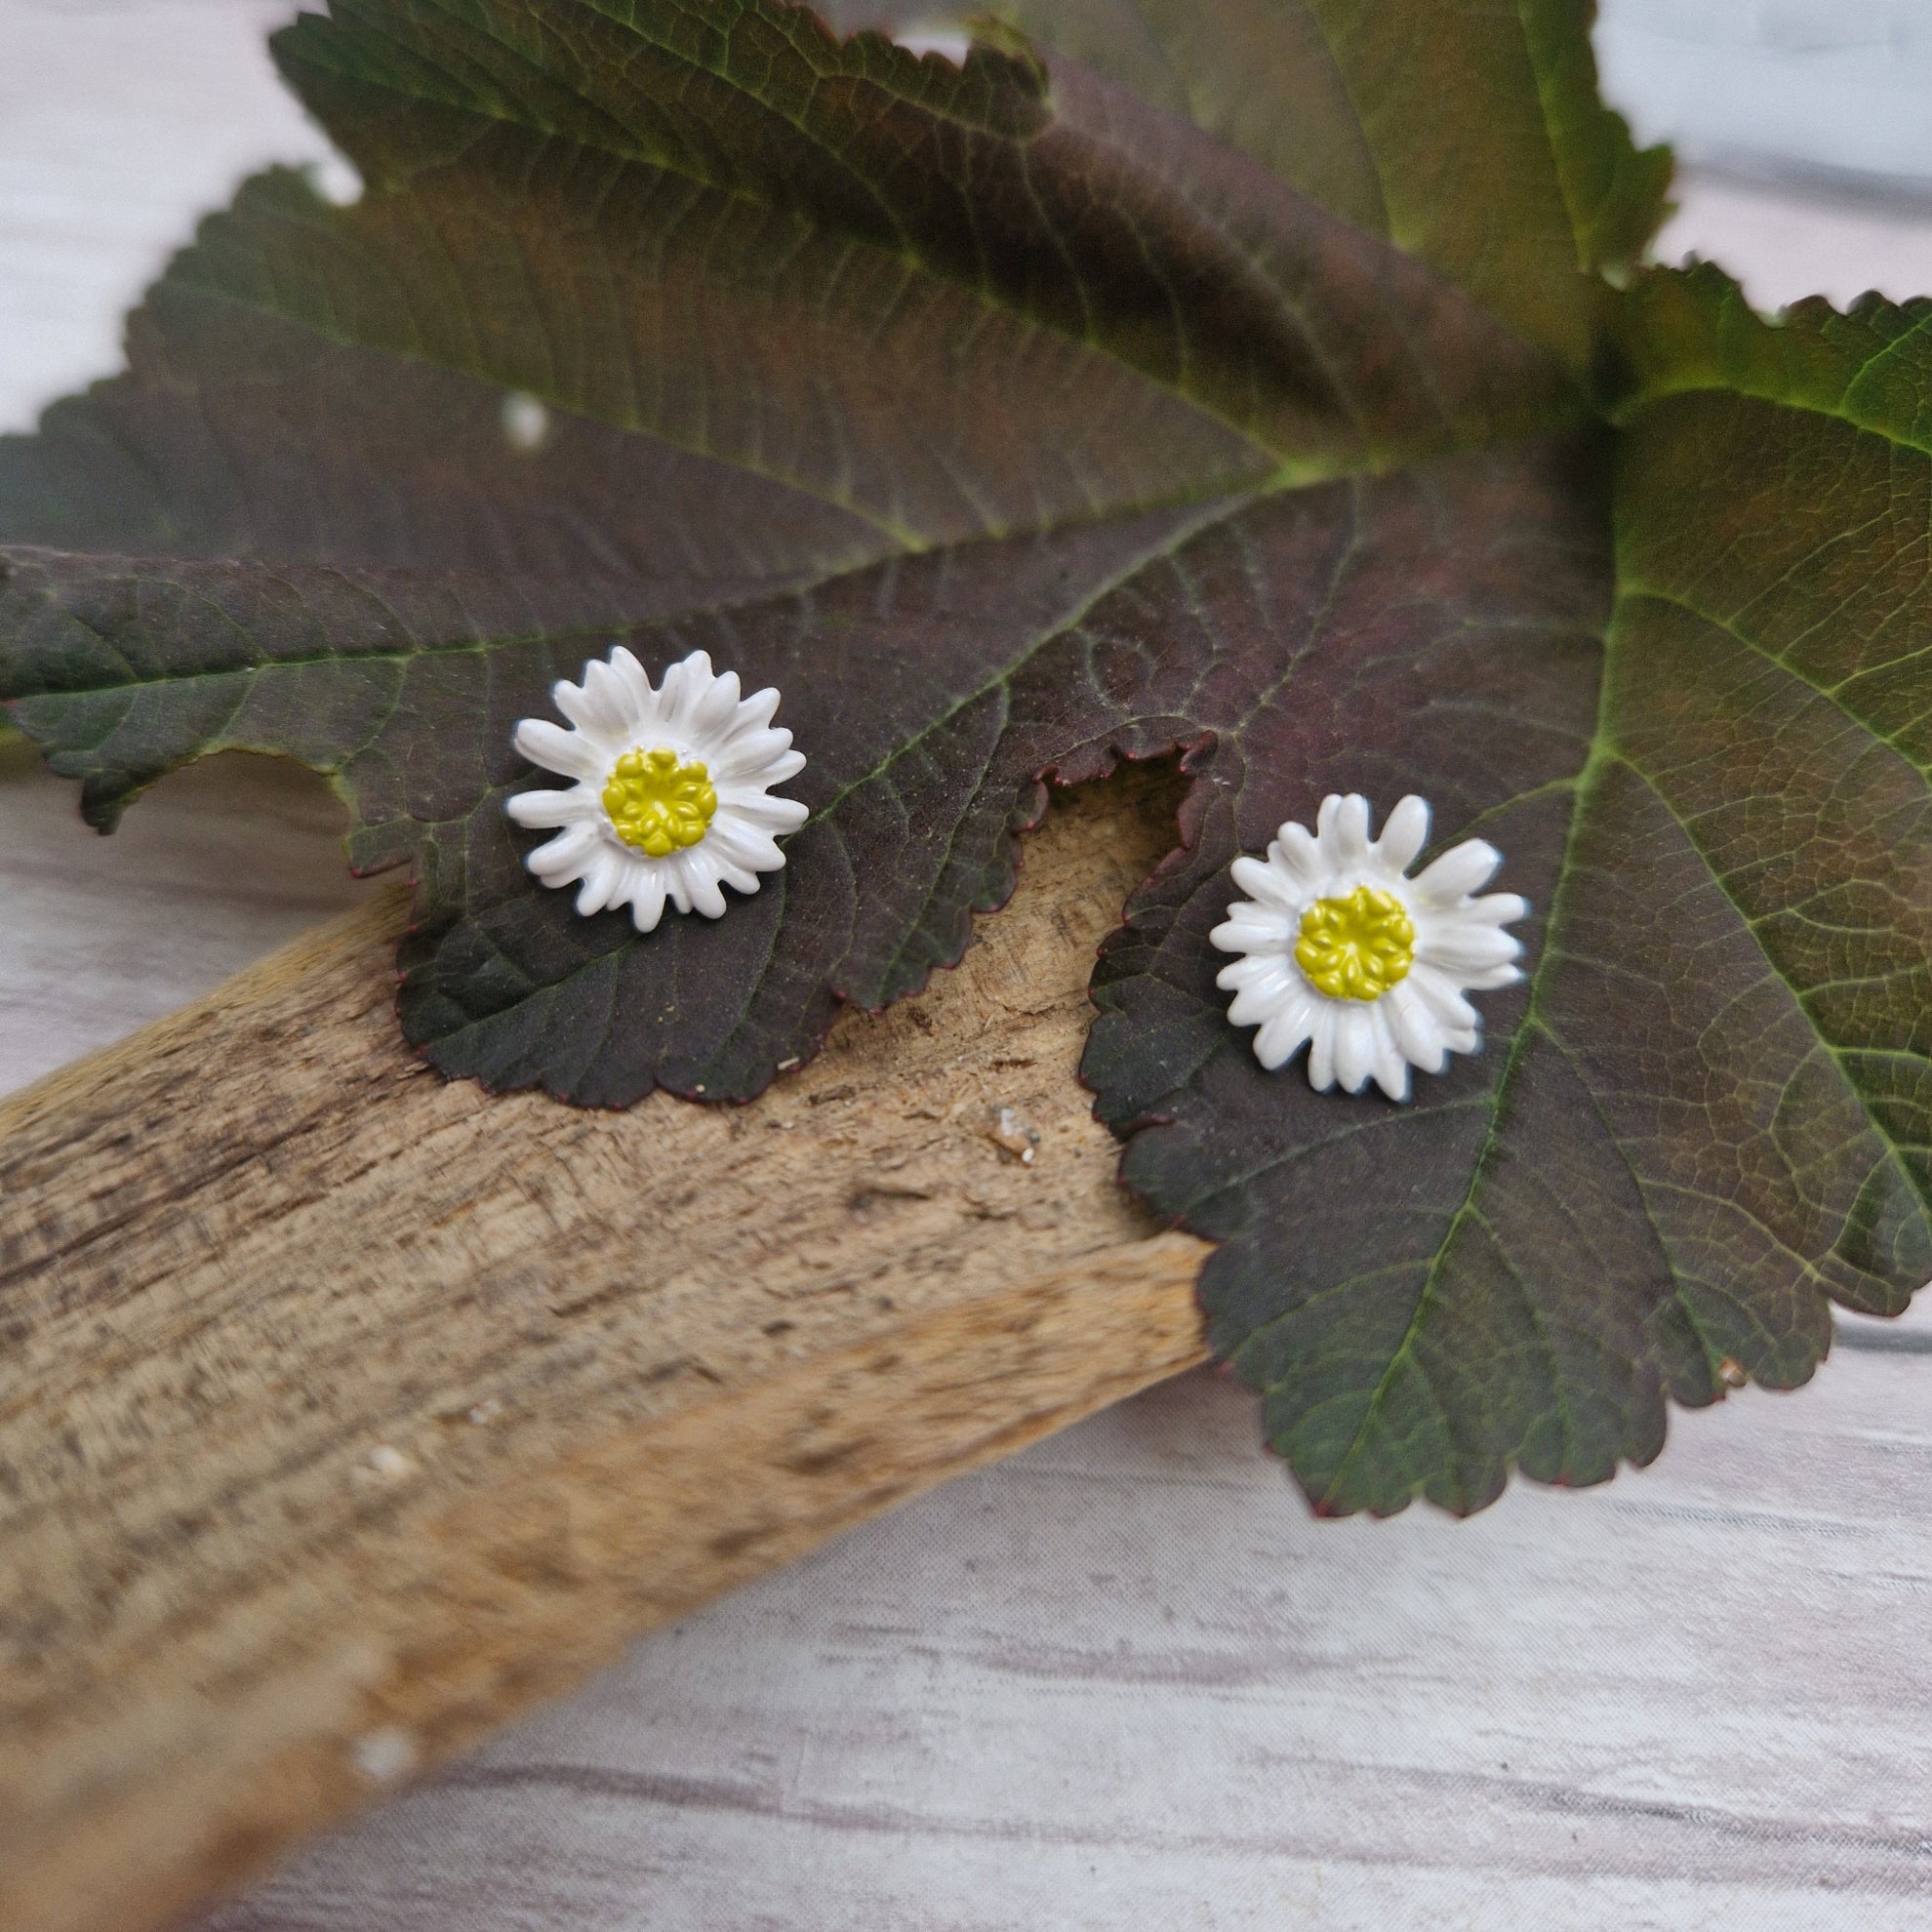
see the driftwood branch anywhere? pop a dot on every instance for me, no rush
(344, 1412)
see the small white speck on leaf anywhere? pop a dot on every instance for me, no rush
(387, 1463)
(336, 179)
(526, 422)
(383, 1757)
(487, 1411)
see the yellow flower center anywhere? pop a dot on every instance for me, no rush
(1357, 947)
(658, 804)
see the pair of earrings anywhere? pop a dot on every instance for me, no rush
(1339, 949)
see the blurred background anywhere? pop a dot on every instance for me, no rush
(1122, 1678)
(1820, 94)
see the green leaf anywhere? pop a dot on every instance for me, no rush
(1707, 1112)
(1204, 379)
(1469, 133)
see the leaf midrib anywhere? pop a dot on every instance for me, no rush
(1829, 693)
(1691, 381)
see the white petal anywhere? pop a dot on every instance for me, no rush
(568, 698)
(645, 889)
(582, 707)
(577, 806)
(1461, 949)
(636, 682)
(755, 713)
(1270, 989)
(1343, 829)
(1392, 1064)
(763, 758)
(1321, 1047)
(1250, 928)
(1281, 1037)
(1267, 974)
(1459, 871)
(1414, 1027)
(713, 705)
(603, 880)
(774, 815)
(557, 750)
(745, 846)
(607, 700)
(685, 683)
(1496, 975)
(1494, 909)
(1405, 835)
(564, 857)
(1228, 935)
(1300, 859)
(1247, 971)
(695, 883)
(1354, 1045)
(1453, 1013)
(1265, 882)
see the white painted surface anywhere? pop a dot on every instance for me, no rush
(1785, 245)
(1123, 1679)
(1778, 87)
(99, 936)
(120, 122)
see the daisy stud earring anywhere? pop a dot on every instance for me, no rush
(1343, 953)
(670, 799)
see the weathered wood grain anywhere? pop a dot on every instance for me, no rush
(340, 1404)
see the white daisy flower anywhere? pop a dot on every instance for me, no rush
(1365, 966)
(670, 799)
